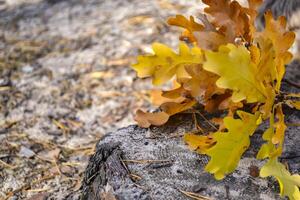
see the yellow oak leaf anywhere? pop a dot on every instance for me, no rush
(165, 63)
(289, 184)
(268, 150)
(274, 136)
(230, 145)
(266, 67)
(199, 143)
(263, 56)
(237, 72)
(266, 108)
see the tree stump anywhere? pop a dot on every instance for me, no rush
(154, 163)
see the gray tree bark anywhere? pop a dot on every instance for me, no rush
(154, 163)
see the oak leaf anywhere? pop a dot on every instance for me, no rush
(282, 40)
(274, 136)
(159, 97)
(231, 15)
(201, 82)
(289, 184)
(205, 35)
(211, 37)
(237, 72)
(190, 25)
(199, 143)
(230, 145)
(280, 127)
(165, 63)
(146, 119)
(172, 108)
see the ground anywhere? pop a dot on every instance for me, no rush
(66, 81)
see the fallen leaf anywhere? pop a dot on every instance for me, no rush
(145, 119)
(199, 143)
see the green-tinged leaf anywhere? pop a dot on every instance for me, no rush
(165, 63)
(230, 145)
(274, 136)
(289, 184)
(237, 72)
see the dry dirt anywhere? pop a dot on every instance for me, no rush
(65, 82)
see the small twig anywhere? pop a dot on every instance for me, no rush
(7, 165)
(27, 186)
(124, 165)
(4, 88)
(145, 161)
(194, 195)
(57, 166)
(292, 124)
(139, 186)
(37, 190)
(295, 95)
(290, 157)
(196, 123)
(72, 164)
(137, 177)
(211, 124)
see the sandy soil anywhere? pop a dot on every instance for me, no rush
(65, 82)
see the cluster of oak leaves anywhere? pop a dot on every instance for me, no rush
(229, 66)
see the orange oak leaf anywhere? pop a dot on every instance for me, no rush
(146, 119)
(199, 143)
(172, 108)
(157, 97)
(190, 25)
(280, 127)
(281, 39)
(202, 83)
(206, 35)
(229, 14)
